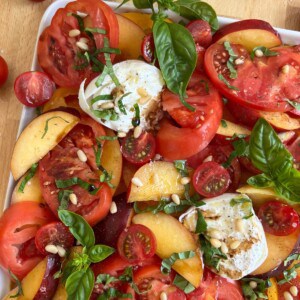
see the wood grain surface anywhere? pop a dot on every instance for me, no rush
(19, 21)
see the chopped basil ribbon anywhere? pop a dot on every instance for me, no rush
(265, 51)
(121, 105)
(239, 200)
(290, 258)
(295, 104)
(19, 285)
(46, 128)
(63, 198)
(98, 152)
(61, 184)
(201, 225)
(136, 120)
(95, 30)
(100, 79)
(259, 292)
(80, 21)
(230, 62)
(28, 176)
(222, 78)
(113, 293)
(106, 114)
(100, 98)
(246, 205)
(167, 263)
(105, 176)
(183, 284)
(108, 50)
(107, 138)
(289, 274)
(181, 167)
(224, 123)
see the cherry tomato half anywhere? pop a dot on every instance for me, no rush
(34, 88)
(55, 233)
(211, 179)
(3, 71)
(136, 243)
(139, 150)
(278, 218)
(201, 32)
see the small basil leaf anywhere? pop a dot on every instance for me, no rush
(176, 53)
(201, 225)
(28, 176)
(167, 263)
(143, 4)
(99, 252)
(78, 226)
(260, 181)
(80, 284)
(183, 284)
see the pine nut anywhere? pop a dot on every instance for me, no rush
(51, 249)
(163, 296)
(239, 61)
(121, 134)
(216, 234)
(253, 284)
(175, 198)
(258, 53)
(234, 245)
(144, 100)
(81, 155)
(142, 92)
(185, 180)
(83, 40)
(157, 157)
(240, 225)
(113, 207)
(294, 290)
(287, 296)
(61, 251)
(137, 131)
(73, 199)
(107, 105)
(224, 248)
(81, 14)
(137, 182)
(82, 46)
(215, 243)
(208, 158)
(285, 69)
(74, 32)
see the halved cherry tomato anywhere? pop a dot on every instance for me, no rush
(198, 128)
(261, 83)
(201, 32)
(294, 149)
(136, 243)
(55, 233)
(139, 150)
(211, 179)
(18, 227)
(34, 88)
(148, 48)
(59, 54)
(3, 71)
(278, 218)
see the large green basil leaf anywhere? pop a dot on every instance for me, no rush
(100, 252)
(267, 152)
(140, 4)
(78, 226)
(194, 9)
(176, 53)
(80, 284)
(260, 181)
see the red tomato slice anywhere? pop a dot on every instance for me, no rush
(33, 88)
(18, 227)
(278, 218)
(294, 149)
(139, 150)
(211, 179)
(3, 71)
(55, 233)
(198, 128)
(201, 32)
(263, 83)
(58, 52)
(148, 48)
(136, 243)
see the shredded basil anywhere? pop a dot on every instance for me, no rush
(19, 285)
(80, 21)
(224, 123)
(259, 292)
(222, 78)
(95, 30)
(100, 98)
(183, 284)
(230, 62)
(201, 225)
(27, 177)
(105, 176)
(167, 263)
(294, 256)
(61, 184)
(63, 198)
(121, 105)
(136, 120)
(206, 87)
(289, 274)
(295, 104)
(265, 51)
(106, 114)
(101, 78)
(98, 152)
(46, 128)
(181, 167)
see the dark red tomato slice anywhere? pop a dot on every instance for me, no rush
(18, 227)
(211, 179)
(34, 88)
(247, 164)
(294, 149)
(55, 233)
(198, 127)
(200, 58)
(262, 83)
(151, 283)
(139, 150)
(58, 53)
(278, 218)
(136, 243)
(3, 71)
(201, 32)
(148, 48)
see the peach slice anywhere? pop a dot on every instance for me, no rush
(250, 33)
(173, 237)
(128, 172)
(141, 19)
(38, 138)
(232, 128)
(281, 120)
(272, 291)
(159, 179)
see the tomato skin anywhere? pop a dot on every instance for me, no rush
(33, 88)
(3, 71)
(148, 48)
(18, 226)
(201, 32)
(136, 243)
(278, 218)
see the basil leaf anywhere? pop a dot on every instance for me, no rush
(224, 123)
(101, 98)
(46, 128)
(99, 252)
(183, 284)
(265, 51)
(230, 62)
(107, 138)
(194, 9)
(95, 30)
(167, 263)
(78, 226)
(201, 225)
(294, 256)
(259, 291)
(143, 4)
(28, 176)
(295, 104)
(289, 274)
(223, 79)
(241, 148)
(63, 198)
(260, 181)
(136, 120)
(80, 284)
(106, 279)
(180, 165)
(121, 105)
(176, 53)
(61, 184)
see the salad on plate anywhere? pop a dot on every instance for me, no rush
(163, 161)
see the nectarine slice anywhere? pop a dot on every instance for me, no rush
(230, 128)
(173, 237)
(38, 138)
(281, 120)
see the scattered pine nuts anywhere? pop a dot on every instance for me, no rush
(113, 207)
(82, 46)
(51, 249)
(81, 155)
(74, 32)
(185, 180)
(137, 131)
(73, 199)
(137, 182)
(175, 198)
(294, 290)
(234, 245)
(287, 296)
(61, 251)
(215, 243)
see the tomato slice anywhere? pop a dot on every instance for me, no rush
(139, 150)
(201, 32)
(294, 149)
(278, 218)
(55, 233)
(3, 71)
(262, 83)
(286, 287)
(136, 243)
(33, 88)
(198, 128)
(18, 227)
(211, 179)
(148, 48)
(59, 54)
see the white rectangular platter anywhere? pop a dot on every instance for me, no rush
(288, 37)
